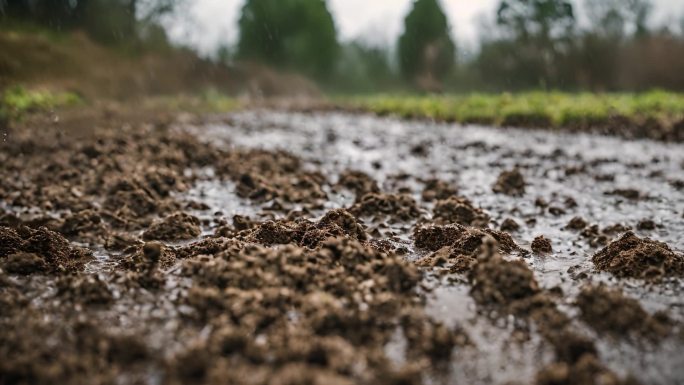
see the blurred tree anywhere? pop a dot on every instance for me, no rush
(618, 19)
(426, 51)
(363, 68)
(541, 20)
(294, 34)
(108, 21)
(538, 38)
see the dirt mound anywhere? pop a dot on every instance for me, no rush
(577, 223)
(629, 193)
(335, 223)
(509, 224)
(263, 175)
(609, 311)
(341, 320)
(82, 222)
(24, 264)
(459, 245)
(359, 182)
(588, 370)
(631, 256)
(22, 245)
(496, 281)
(510, 182)
(461, 211)
(175, 227)
(541, 245)
(401, 207)
(437, 189)
(86, 289)
(146, 258)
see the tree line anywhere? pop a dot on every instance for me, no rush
(532, 44)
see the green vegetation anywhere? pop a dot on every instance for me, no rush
(294, 34)
(532, 108)
(18, 101)
(209, 101)
(425, 47)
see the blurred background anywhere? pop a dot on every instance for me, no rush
(261, 48)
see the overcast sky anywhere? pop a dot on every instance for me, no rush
(207, 24)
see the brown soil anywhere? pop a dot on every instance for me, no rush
(610, 311)
(510, 225)
(400, 207)
(325, 287)
(541, 245)
(460, 211)
(175, 227)
(510, 183)
(358, 182)
(436, 189)
(631, 256)
(296, 292)
(577, 223)
(21, 249)
(587, 370)
(456, 247)
(335, 223)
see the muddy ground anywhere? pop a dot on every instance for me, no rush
(267, 247)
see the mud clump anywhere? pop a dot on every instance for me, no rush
(610, 311)
(148, 257)
(541, 245)
(433, 238)
(646, 224)
(23, 264)
(457, 247)
(84, 351)
(128, 198)
(447, 253)
(437, 189)
(86, 224)
(23, 244)
(576, 223)
(631, 256)
(460, 211)
(400, 207)
(342, 319)
(359, 182)
(510, 182)
(335, 223)
(262, 175)
(629, 193)
(509, 224)
(175, 227)
(87, 289)
(587, 370)
(496, 281)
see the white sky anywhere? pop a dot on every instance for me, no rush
(207, 24)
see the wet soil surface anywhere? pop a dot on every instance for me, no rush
(271, 247)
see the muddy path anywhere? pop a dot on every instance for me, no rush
(281, 248)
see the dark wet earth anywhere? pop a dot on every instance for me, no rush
(314, 268)
(557, 167)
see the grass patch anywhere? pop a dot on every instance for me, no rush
(19, 101)
(207, 102)
(543, 109)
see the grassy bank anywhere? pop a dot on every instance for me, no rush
(660, 112)
(18, 101)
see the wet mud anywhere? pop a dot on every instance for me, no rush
(268, 247)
